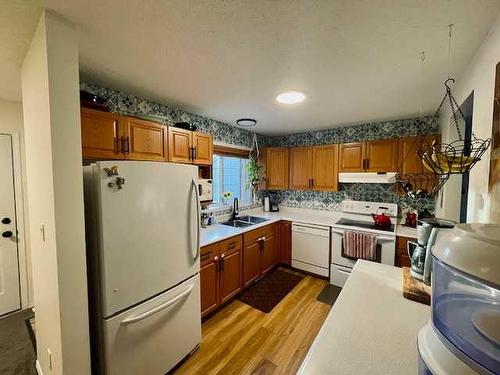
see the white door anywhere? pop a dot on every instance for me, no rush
(149, 230)
(9, 262)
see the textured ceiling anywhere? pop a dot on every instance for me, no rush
(356, 60)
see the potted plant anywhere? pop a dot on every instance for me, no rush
(255, 173)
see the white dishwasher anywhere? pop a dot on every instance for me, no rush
(311, 248)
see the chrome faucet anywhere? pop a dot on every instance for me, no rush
(236, 208)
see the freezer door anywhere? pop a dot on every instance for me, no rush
(153, 337)
(149, 230)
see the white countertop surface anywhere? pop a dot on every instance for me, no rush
(371, 328)
(403, 231)
(218, 232)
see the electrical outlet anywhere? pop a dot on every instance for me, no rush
(49, 359)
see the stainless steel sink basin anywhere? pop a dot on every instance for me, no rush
(252, 219)
(244, 221)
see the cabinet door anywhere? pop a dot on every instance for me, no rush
(179, 145)
(268, 253)
(300, 168)
(325, 168)
(285, 242)
(251, 262)
(100, 135)
(277, 168)
(408, 154)
(203, 148)
(352, 156)
(382, 156)
(209, 287)
(146, 140)
(230, 276)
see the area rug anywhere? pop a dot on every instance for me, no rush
(329, 294)
(266, 293)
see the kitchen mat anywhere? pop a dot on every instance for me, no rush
(329, 294)
(266, 293)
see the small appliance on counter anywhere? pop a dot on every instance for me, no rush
(205, 189)
(267, 204)
(463, 335)
(273, 202)
(428, 231)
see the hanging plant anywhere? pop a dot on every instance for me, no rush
(255, 173)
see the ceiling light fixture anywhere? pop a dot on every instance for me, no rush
(291, 97)
(246, 122)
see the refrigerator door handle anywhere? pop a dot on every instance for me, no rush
(198, 219)
(156, 309)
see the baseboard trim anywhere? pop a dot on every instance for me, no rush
(38, 368)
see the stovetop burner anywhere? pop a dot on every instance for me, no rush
(364, 224)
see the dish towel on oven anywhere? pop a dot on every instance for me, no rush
(360, 245)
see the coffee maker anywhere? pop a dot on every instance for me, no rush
(419, 252)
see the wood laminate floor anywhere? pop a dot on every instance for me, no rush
(242, 340)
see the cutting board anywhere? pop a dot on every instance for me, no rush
(414, 289)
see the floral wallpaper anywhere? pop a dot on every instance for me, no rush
(126, 104)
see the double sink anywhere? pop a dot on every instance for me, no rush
(244, 221)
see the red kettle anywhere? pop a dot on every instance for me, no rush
(381, 220)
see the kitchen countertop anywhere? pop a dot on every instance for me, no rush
(218, 232)
(403, 231)
(371, 328)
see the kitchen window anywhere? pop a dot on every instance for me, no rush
(230, 174)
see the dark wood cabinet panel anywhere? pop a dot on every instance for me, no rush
(209, 288)
(268, 253)
(277, 166)
(325, 168)
(401, 258)
(300, 168)
(352, 157)
(144, 140)
(251, 262)
(202, 148)
(285, 242)
(101, 135)
(230, 275)
(382, 155)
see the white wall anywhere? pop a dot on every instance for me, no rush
(479, 76)
(11, 122)
(55, 197)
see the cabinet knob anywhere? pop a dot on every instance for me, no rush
(7, 234)
(6, 220)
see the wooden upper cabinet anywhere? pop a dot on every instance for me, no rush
(144, 140)
(300, 168)
(382, 156)
(100, 135)
(277, 165)
(179, 145)
(203, 148)
(352, 157)
(409, 160)
(325, 168)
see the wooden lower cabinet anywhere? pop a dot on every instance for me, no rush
(401, 258)
(259, 252)
(285, 243)
(220, 273)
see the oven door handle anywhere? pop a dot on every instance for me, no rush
(379, 238)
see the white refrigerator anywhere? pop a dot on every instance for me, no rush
(143, 233)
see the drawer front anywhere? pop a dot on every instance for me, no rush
(207, 253)
(231, 245)
(254, 235)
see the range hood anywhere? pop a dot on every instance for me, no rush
(368, 178)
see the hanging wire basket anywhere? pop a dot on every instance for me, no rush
(420, 185)
(456, 157)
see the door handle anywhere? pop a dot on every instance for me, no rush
(194, 186)
(194, 152)
(367, 163)
(157, 309)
